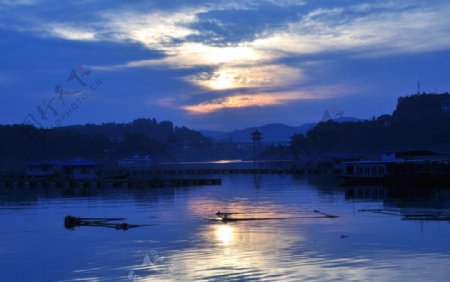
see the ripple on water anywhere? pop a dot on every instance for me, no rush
(182, 244)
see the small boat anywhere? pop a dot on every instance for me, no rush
(224, 215)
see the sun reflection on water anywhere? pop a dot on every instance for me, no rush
(224, 234)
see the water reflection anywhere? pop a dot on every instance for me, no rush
(235, 251)
(402, 196)
(185, 245)
(72, 222)
(254, 252)
(224, 233)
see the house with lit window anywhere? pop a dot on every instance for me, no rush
(418, 165)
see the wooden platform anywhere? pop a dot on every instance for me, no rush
(49, 183)
(217, 171)
(115, 178)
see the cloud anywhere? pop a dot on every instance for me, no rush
(381, 28)
(368, 29)
(243, 76)
(249, 4)
(265, 99)
(287, 2)
(71, 33)
(252, 46)
(155, 30)
(4, 78)
(376, 29)
(17, 2)
(386, 32)
(244, 101)
(191, 55)
(166, 102)
(195, 54)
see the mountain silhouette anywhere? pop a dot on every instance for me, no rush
(275, 132)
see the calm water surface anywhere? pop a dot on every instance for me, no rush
(184, 244)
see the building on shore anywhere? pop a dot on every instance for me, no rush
(407, 166)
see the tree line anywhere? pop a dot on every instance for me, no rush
(419, 122)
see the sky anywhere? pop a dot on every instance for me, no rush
(217, 65)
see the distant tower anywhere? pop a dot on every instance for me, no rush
(256, 137)
(418, 87)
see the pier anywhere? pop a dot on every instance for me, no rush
(103, 183)
(90, 175)
(205, 171)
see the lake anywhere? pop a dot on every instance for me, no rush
(380, 234)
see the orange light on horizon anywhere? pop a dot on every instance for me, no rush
(246, 100)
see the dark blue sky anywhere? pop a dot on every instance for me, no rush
(217, 64)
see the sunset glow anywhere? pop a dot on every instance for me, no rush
(229, 77)
(246, 100)
(199, 58)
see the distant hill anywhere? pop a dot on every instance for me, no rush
(143, 137)
(275, 132)
(163, 132)
(422, 107)
(270, 133)
(214, 135)
(419, 122)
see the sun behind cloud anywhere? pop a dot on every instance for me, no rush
(210, 50)
(248, 76)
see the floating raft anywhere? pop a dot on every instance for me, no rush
(418, 215)
(70, 222)
(228, 216)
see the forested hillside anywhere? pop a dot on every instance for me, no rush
(418, 122)
(105, 141)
